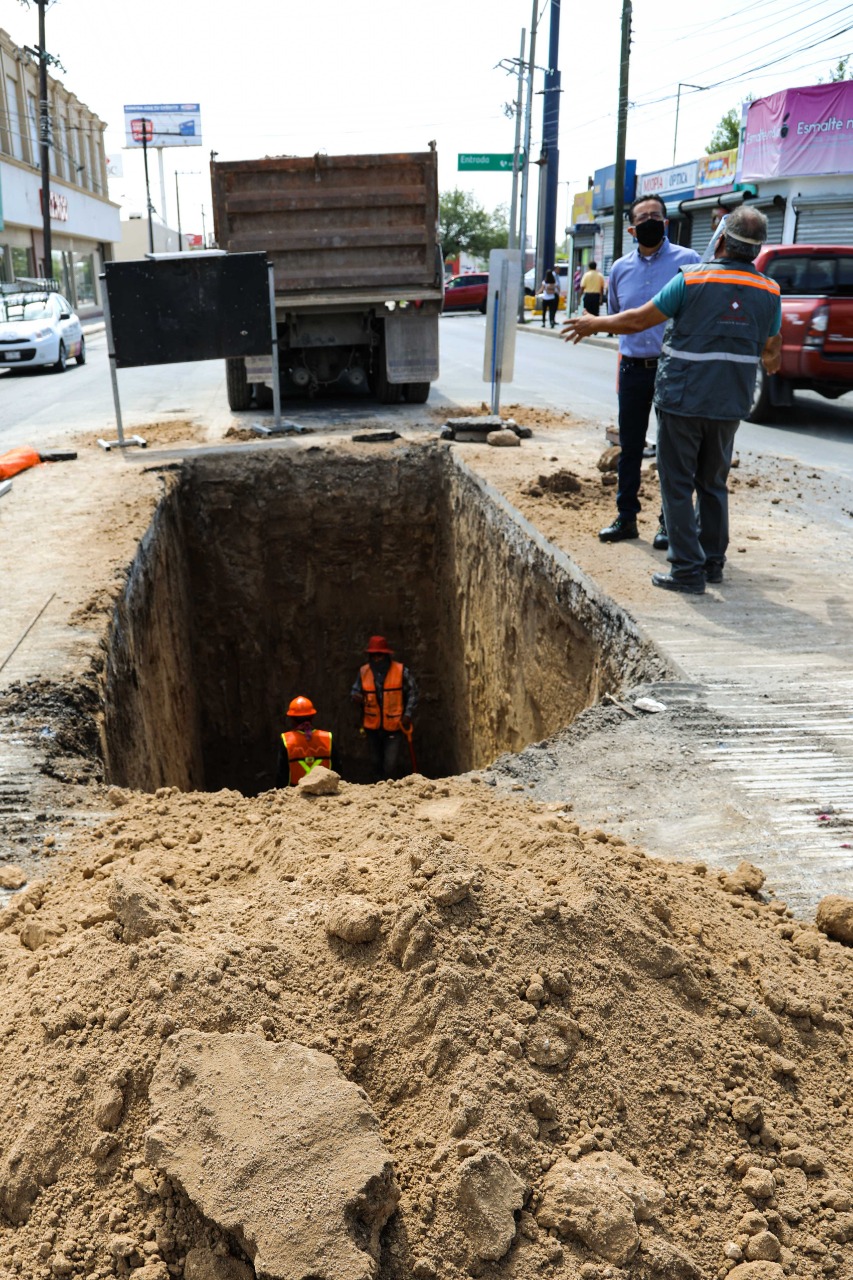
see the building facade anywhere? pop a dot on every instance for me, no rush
(84, 221)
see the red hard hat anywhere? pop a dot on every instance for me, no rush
(378, 644)
(301, 707)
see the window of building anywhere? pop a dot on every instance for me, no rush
(22, 262)
(14, 117)
(33, 119)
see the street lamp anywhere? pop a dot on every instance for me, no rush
(682, 85)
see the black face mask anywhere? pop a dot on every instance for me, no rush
(650, 233)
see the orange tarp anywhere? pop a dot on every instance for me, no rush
(18, 460)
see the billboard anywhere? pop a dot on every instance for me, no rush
(604, 185)
(716, 172)
(582, 213)
(168, 124)
(798, 132)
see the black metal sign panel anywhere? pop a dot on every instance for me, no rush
(177, 309)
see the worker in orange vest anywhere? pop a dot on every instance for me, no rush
(387, 694)
(302, 746)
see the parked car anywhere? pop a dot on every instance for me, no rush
(39, 328)
(817, 324)
(467, 292)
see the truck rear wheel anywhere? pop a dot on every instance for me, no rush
(417, 392)
(239, 388)
(387, 392)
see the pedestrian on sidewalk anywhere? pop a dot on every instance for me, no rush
(592, 290)
(387, 695)
(550, 291)
(723, 318)
(635, 278)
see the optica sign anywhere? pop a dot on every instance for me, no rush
(799, 131)
(679, 180)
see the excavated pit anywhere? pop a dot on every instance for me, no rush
(262, 575)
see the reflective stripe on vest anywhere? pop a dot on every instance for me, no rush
(305, 753)
(709, 355)
(385, 714)
(712, 348)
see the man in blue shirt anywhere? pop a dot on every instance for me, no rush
(724, 317)
(634, 280)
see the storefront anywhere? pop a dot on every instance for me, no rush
(84, 223)
(799, 144)
(83, 230)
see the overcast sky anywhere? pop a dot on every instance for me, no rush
(279, 77)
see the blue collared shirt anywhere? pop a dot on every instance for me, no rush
(634, 281)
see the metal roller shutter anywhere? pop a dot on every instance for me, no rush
(608, 248)
(775, 221)
(701, 230)
(824, 223)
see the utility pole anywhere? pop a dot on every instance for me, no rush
(621, 130)
(525, 172)
(550, 150)
(146, 125)
(513, 217)
(44, 146)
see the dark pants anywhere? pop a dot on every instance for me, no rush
(591, 303)
(386, 753)
(695, 455)
(549, 309)
(636, 394)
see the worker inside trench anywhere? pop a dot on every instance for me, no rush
(262, 577)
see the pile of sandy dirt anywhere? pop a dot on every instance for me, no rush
(582, 1061)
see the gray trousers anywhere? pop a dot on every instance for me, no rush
(694, 455)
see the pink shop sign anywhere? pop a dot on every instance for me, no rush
(799, 131)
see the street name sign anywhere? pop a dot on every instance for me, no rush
(487, 161)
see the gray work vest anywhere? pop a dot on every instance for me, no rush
(711, 349)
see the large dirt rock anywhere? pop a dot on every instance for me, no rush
(835, 918)
(274, 1145)
(140, 909)
(488, 1195)
(599, 1199)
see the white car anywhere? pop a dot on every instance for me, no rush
(39, 329)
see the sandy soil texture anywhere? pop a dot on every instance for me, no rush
(574, 1059)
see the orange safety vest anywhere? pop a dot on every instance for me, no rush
(385, 715)
(305, 754)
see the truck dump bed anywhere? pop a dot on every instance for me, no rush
(337, 228)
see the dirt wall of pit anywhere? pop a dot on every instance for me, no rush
(263, 575)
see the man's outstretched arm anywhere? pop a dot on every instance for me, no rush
(633, 321)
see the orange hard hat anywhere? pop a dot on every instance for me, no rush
(301, 707)
(378, 644)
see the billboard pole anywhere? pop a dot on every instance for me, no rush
(162, 186)
(145, 124)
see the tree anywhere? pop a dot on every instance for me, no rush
(466, 227)
(839, 72)
(727, 133)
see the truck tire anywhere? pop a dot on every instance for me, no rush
(239, 389)
(762, 406)
(417, 392)
(387, 392)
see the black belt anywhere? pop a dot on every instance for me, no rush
(637, 362)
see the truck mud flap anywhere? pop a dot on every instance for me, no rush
(411, 345)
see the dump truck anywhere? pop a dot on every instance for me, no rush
(359, 273)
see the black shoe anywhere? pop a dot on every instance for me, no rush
(688, 586)
(623, 527)
(660, 541)
(713, 571)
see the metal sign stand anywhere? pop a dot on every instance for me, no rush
(498, 337)
(120, 443)
(279, 427)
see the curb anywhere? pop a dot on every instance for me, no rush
(610, 344)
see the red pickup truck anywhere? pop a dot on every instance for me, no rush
(817, 324)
